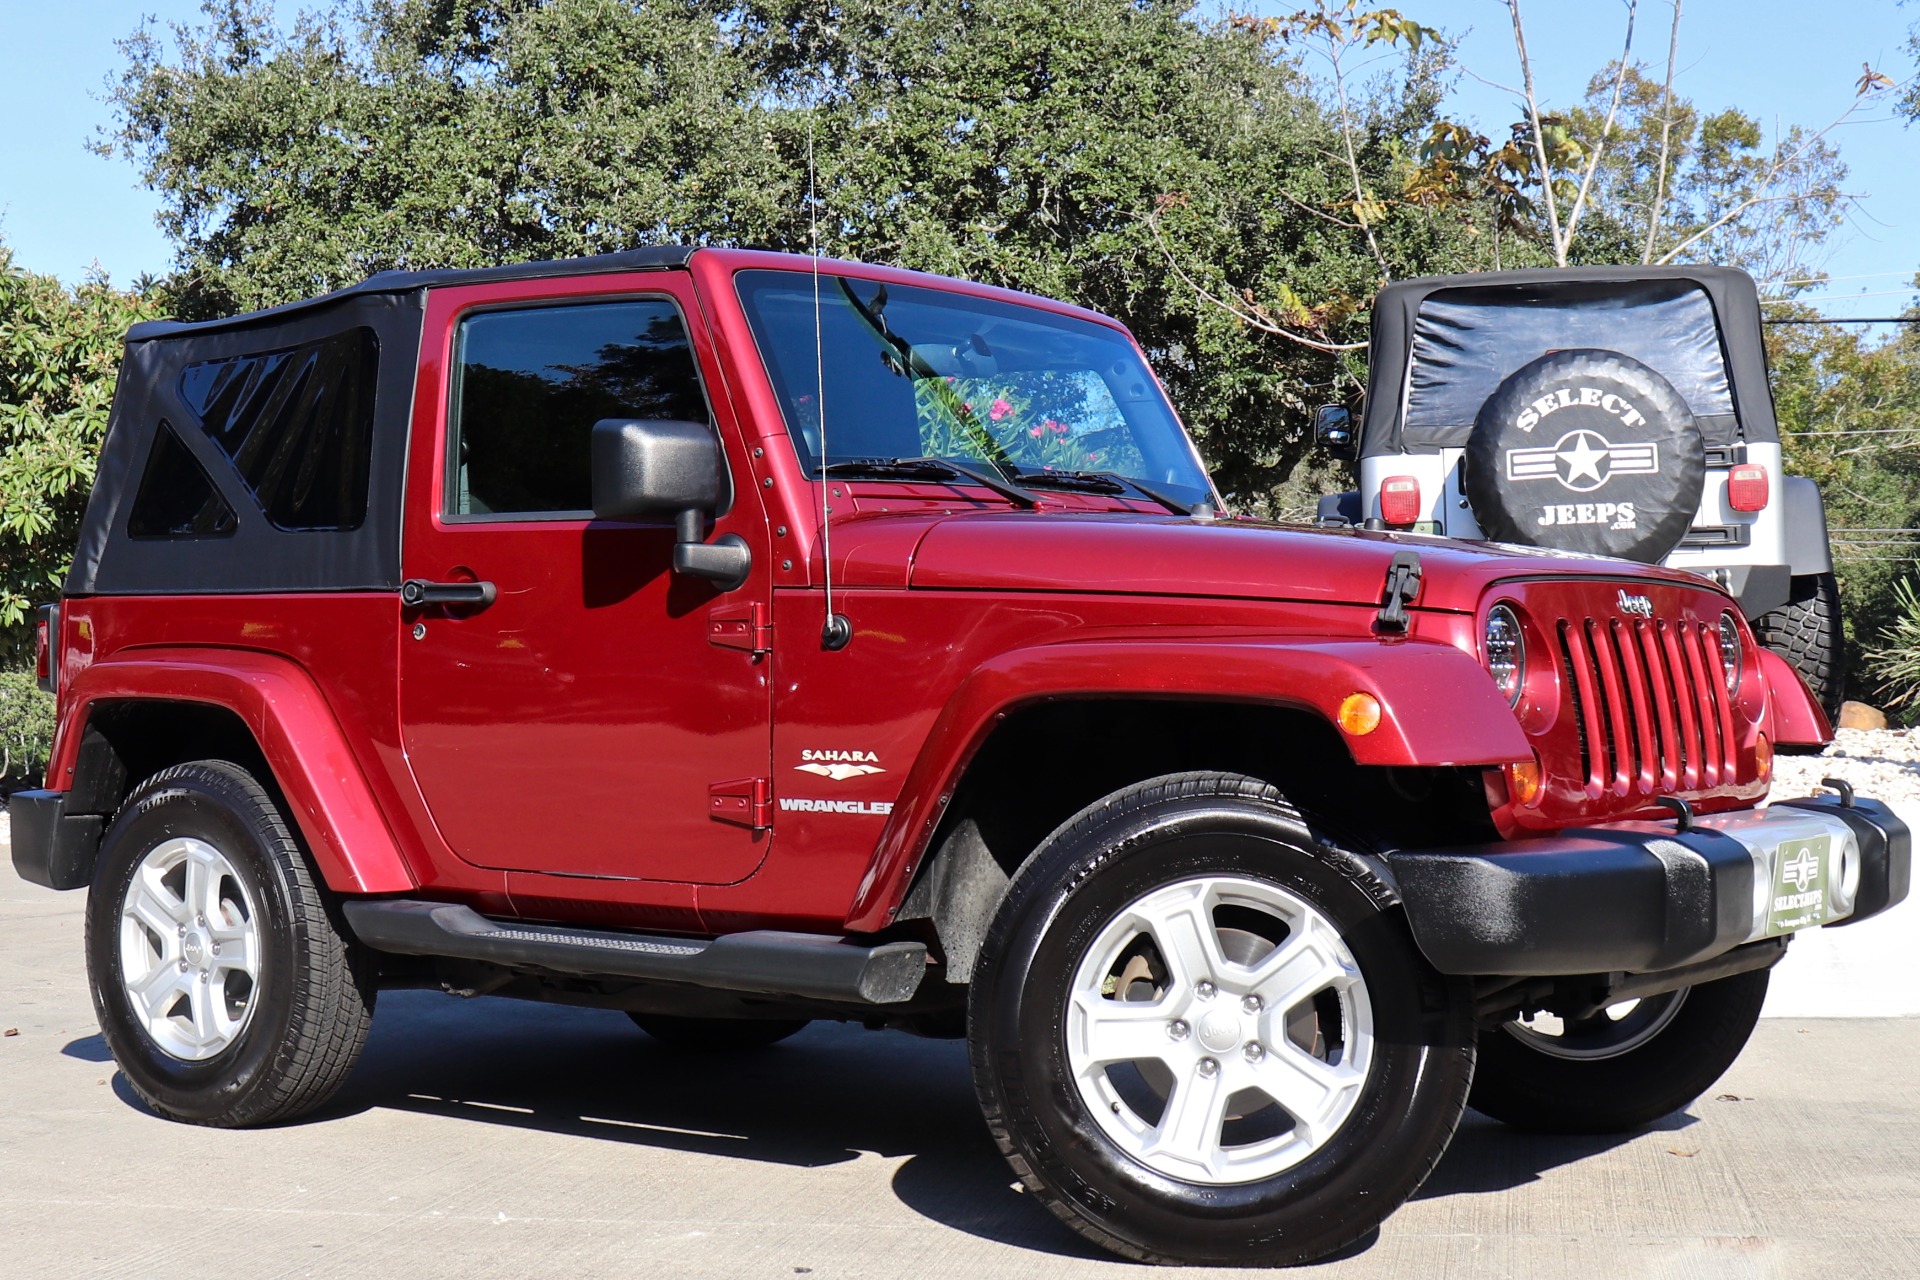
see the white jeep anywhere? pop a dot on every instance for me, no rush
(1619, 411)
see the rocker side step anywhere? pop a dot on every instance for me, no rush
(762, 962)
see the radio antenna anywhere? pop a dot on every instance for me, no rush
(837, 630)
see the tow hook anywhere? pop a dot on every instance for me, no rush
(1403, 587)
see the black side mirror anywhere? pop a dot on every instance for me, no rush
(1333, 430)
(653, 469)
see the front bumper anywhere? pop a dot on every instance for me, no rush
(1636, 897)
(52, 847)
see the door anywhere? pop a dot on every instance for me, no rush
(583, 722)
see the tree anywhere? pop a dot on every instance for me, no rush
(1635, 173)
(1020, 142)
(59, 351)
(1849, 410)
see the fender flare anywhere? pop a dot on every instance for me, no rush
(1804, 514)
(1798, 720)
(281, 706)
(1438, 707)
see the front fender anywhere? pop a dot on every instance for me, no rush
(1798, 719)
(1438, 707)
(289, 719)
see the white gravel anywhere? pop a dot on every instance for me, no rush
(1882, 763)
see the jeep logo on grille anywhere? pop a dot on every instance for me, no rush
(1638, 605)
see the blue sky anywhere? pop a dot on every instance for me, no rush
(1785, 61)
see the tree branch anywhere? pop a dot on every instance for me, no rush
(1606, 130)
(1353, 163)
(1239, 313)
(1539, 135)
(1666, 140)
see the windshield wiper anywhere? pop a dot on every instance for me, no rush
(932, 469)
(1108, 482)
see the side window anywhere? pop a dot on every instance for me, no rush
(297, 425)
(176, 498)
(529, 385)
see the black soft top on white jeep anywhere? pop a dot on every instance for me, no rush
(1606, 410)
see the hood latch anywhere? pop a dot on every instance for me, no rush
(1403, 587)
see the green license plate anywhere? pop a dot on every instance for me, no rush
(1799, 885)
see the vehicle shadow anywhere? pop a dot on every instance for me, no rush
(821, 1098)
(824, 1097)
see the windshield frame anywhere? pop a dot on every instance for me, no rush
(1046, 312)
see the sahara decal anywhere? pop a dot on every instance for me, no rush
(838, 766)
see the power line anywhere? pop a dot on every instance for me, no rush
(1842, 297)
(1860, 431)
(1851, 320)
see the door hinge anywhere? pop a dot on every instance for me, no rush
(1403, 588)
(745, 802)
(746, 627)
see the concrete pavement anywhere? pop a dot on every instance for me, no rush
(490, 1138)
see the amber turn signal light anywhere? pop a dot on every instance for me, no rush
(1523, 781)
(1360, 714)
(1763, 756)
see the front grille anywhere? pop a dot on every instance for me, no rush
(1650, 706)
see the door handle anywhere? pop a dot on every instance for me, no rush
(418, 592)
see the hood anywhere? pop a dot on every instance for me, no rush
(1119, 553)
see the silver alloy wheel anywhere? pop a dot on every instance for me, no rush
(1617, 1029)
(189, 949)
(1218, 1030)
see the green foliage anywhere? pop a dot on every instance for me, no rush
(1723, 194)
(59, 351)
(1895, 661)
(26, 730)
(1849, 410)
(1071, 150)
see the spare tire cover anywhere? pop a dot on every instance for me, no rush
(1587, 451)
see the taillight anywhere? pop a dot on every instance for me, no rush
(1747, 487)
(1400, 500)
(46, 639)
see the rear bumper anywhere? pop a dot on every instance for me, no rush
(51, 847)
(1636, 897)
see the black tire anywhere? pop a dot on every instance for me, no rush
(312, 1000)
(1806, 632)
(1529, 1089)
(1167, 832)
(1612, 466)
(717, 1035)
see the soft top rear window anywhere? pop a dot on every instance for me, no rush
(1466, 342)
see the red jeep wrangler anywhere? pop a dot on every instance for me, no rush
(736, 641)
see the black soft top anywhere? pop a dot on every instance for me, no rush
(387, 282)
(1441, 344)
(167, 361)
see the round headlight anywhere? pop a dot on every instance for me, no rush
(1731, 654)
(1506, 651)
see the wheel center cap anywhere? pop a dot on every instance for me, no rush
(1219, 1030)
(194, 950)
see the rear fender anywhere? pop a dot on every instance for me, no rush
(1438, 707)
(316, 770)
(1798, 720)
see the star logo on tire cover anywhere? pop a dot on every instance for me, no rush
(1583, 460)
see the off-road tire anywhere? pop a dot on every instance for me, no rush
(1141, 840)
(1523, 1087)
(1806, 632)
(717, 1035)
(315, 991)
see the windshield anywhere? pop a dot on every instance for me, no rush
(913, 373)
